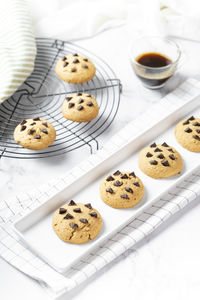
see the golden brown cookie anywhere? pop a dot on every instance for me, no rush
(80, 107)
(35, 134)
(75, 68)
(77, 223)
(160, 161)
(121, 189)
(187, 133)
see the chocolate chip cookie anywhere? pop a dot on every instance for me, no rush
(77, 223)
(35, 134)
(160, 161)
(121, 189)
(75, 68)
(187, 133)
(80, 107)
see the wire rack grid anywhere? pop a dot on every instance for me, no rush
(42, 95)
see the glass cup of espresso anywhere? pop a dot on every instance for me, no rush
(154, 60)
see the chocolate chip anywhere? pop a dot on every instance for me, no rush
(80, 107)
(188, 130)
(68, 98)
(196, 124)
(23, 127)
(70, 105)
(117, 173)
(79, 94)
(36, 119)
(88, 205)
(191, 118)
(68, 216)
(124, 176)
(118, 183)
(132, 174)
(110, 190)
(165, 144)
(89, 95)
(45, 124)
(161, 156)
(153, 145)
(37, 137)
(93, 214)
(90, 103)
(186, 122)
(136, 183)
(85, 67)
(110, 178)
(64, 57)
(77, 210)
(165, 163)
(76, 61)
(170, 150)
(73, 69)
(73, 225)
(75, 54)
(157, 150)
(124, 196)
(31, 131)
(196, 137)
(65, 64)
(85, 59)
(72, 203)
(62, 210)
(44, 131)
(172, 157)
(84, 221)
(23, 122)
(153, 162)
(80, 101)
(129, 190)
(198, 130)
(32, 123)
(149, 154)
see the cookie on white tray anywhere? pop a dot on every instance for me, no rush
(77, 223)
(160, 161)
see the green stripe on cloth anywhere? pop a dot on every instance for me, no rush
(17, 46)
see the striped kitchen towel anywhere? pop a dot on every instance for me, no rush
(17, 46)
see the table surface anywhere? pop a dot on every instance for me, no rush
(165, 264)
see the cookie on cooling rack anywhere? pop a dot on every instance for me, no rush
(34, 134)
(160, 161)
(75, 68)
(77, 223)
(121, 189)
(80, 107)
(187, 133)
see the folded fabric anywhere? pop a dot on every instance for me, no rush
(17, 46)
(71, 20)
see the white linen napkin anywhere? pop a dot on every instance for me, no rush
(20, 256)
(77, 19)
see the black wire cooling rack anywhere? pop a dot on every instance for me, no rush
(42, 95)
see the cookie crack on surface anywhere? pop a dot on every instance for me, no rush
(72, 234)
(82, 229)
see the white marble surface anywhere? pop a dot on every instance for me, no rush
(165, 265)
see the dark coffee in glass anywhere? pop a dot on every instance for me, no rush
(154, 60)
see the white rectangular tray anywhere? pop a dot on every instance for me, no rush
(35, 229)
